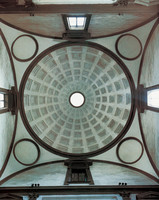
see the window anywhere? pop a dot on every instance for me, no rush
(8, 100)
(153, 98)
(148, 98)
(78, 172)
(1, 101)
(76, 23)
(76, 27)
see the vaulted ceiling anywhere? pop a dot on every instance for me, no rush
(109, 128)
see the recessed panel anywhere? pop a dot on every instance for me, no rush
(24, 48)
(130, 150)
(128, 46)
(44, 175)
(114, 175)
(26, 152)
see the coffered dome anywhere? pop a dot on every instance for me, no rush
(77, 99)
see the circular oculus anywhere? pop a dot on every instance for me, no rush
(77, 99)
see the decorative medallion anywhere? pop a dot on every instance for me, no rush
(26, 152)
(24, 48)
(130, 150)
(128, 46)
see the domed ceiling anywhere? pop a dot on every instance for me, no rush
(52, 83)
(78, 100)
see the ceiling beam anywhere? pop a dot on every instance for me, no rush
(98, 8)
(76, 190)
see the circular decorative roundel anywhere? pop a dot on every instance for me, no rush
(77, 99)
(26, 152)
(24, 48)
(129, 47)
(130, 150)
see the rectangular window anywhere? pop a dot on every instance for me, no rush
(78, 172)
(76, 23)
(153, 98)
(7, 100)
(1, 101)
(78, 176)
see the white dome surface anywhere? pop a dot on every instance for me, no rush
(90, 126)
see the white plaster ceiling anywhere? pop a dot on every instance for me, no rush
(6, 81)
(107, 96)
(50, 171)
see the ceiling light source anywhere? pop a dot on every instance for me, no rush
(76, 23)
(77, 99)
(74, 1)
(76, 26)
(153, 98)
(1, 101)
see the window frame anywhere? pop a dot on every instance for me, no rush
(86, 25)
(154, 87)
(76, 169)
(5, 92)
(76, 27)
(10, 100)
(143, 98)
(2, 100)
